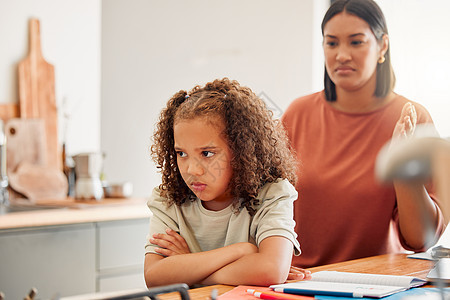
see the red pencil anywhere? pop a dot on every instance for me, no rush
(267, 295)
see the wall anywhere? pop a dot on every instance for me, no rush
(152, 49)
(420, 47)
(142, 51)
(70, 39)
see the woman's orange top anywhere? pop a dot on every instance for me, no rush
(343, 212)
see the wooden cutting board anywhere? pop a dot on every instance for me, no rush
(26, 142)
(9, 111)
(37, 93)
(37, 182)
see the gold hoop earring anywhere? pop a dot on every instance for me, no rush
(381, 60)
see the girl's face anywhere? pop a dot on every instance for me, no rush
(204, 160)
(351, 52)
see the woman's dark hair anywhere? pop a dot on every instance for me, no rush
(259, 144)
(371, 13)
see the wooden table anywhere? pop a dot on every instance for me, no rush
(390, 264)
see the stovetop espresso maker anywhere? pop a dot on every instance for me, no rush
(88, 169)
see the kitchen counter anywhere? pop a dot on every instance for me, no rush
(99, 246)
(70, 211)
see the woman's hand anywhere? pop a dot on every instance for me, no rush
(298, 274)
(170, 243)
(406, 124)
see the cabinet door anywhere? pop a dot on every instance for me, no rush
(121, 254)
(118, 282)
(56, 260)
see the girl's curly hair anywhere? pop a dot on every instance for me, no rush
(258, 143)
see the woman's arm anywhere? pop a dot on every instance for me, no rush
(191, 268)
(418, 214)
(270, 265)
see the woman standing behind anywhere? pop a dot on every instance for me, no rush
(342, 212)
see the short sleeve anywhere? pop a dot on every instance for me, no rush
(274, 216)
(161, 218)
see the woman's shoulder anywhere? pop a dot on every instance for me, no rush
(304, 104)
(423, 115)
(309, 99)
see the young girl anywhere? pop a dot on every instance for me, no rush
(224, 211)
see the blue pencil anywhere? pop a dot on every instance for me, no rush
(298, 291)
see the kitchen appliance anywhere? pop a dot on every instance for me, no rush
(88, 168)
(118, 190)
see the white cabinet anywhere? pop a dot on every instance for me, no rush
(121, 253)
(58, 259)
(73, 259)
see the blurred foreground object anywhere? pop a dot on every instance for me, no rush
(141, 294)
(421, 157)
(417, 159)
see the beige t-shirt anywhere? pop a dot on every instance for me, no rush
(205, 230)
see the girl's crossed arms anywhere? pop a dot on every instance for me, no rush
(173, 244)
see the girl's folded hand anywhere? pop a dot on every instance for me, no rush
(298, 274)
(170, 243)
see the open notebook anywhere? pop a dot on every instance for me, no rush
(334, 283)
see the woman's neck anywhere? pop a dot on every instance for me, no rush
(360, 101)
